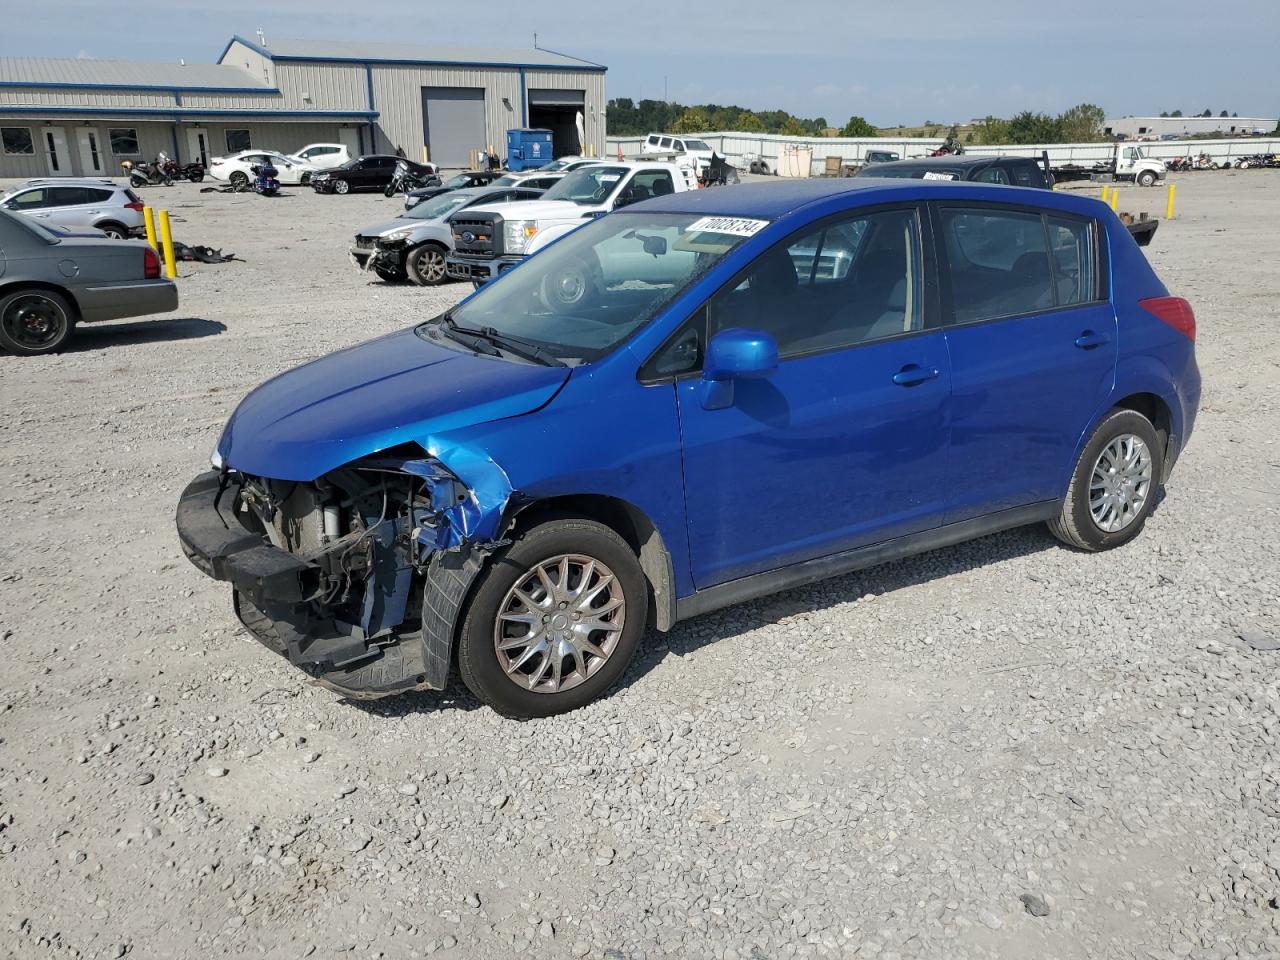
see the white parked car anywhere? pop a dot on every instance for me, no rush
(325, 156)
(236, 169)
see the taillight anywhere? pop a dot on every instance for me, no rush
(136, 205)
(150, 264)
(1174, 311)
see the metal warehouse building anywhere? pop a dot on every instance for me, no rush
(83, 117)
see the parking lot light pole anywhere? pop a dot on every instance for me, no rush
(166, 237)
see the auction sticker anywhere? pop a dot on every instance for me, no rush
(931, 175)
(734, 226)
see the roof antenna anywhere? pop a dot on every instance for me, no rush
(535, 41)
(262, 39)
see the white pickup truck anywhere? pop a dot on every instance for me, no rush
(490, 240)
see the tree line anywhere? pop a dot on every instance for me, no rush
(1082, 123)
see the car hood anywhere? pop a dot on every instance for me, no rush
(540, 210)
(387, 226)
(397, 389)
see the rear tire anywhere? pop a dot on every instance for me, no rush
(426, 265)
(114, 230)
(35, 322)
(239, 180)
(1099, 472)
(506, 686)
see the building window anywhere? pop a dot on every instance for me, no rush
(238, 140)
(124, 141)
(17, 141)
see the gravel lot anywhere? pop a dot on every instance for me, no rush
(915, 761)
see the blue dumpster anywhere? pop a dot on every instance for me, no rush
(528, 148)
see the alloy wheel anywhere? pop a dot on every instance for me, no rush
(431, 266)
(1120, 483)
(559, 623)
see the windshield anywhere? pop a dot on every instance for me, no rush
(555, 165)
(585, 294)
(587, 185)
(909, 173)
(461, 180)
(506, 181)
(436, 207)
(696, 145)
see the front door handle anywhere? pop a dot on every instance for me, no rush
(913, 374)
(1088, 340)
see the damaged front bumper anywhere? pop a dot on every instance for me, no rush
(367, 612)
(375, 256)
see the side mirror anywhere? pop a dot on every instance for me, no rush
(740, 354)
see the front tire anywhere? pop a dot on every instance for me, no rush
(1146, 178)
(426, 265)
(341, 186)
(554, 620)
(35, 322)
(1114, 485)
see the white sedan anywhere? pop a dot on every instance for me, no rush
(235, 169)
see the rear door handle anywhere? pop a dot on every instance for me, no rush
(1088, 340)
(913, 374)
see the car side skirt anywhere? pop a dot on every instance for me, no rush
(822, 568)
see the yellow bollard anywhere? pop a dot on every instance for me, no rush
(1168, 211)
(1115, 200)
(149, 221)
(166, 237)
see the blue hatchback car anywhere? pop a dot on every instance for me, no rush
(699, 399)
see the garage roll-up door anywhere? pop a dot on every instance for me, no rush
(557, 98)
(453, 119)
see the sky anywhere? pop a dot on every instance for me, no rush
(890, 62)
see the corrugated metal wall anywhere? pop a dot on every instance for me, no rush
(322, 86)
(255, 63)
(397, 95)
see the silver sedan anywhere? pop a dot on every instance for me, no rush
(50, 280)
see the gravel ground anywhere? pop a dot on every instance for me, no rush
(1003, 749)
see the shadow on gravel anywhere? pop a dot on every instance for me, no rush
(691, 635)
(422, 702)
(101, 336)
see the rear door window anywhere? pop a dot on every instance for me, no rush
(1026, 175)
(993, 175)
(67, 196)
(998, 263)
(1073, 258)
(665, 143)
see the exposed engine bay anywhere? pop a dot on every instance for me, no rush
(363, 543)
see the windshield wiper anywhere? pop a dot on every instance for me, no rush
(490, 341)
(527, 348)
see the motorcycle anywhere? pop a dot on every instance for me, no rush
(403, 180)
(190, 171)
(266, 180)
(143, 174)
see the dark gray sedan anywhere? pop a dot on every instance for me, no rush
(50, 280)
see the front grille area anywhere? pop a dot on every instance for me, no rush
(365, 243)
(478, 235)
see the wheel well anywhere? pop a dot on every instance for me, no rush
(112, 223)
(8, 288)
(630, 523)
(1154, 409)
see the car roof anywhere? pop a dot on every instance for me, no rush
(950, 163)
(775, 200)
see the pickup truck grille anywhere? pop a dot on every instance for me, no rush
(477, 235)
